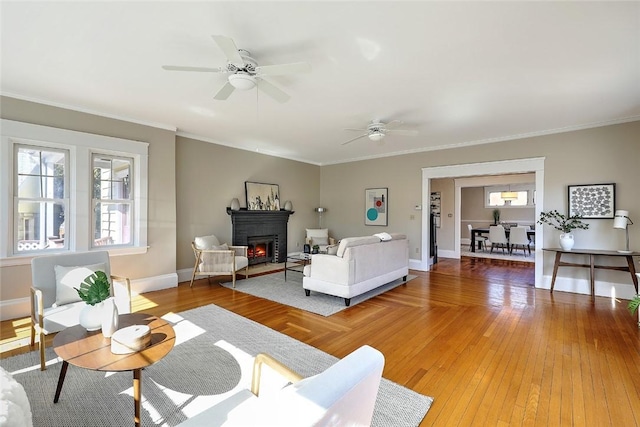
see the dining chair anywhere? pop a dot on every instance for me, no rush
(518, 237)
(498, 237)
(482, 240)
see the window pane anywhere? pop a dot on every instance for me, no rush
(40, 173)
(111, 178)
(521, 200)
(40, 225)
(112, 224)
(495, 199)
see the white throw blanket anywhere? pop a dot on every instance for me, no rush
(15, 410)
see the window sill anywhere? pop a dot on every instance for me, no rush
(26, 260)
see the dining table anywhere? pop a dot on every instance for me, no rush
(485, 230)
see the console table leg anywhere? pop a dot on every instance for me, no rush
(137, 395)
(63, 373)
(555, 269)
(632, 270)
(592, 274)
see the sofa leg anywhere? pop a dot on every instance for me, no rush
(347, 301)
(307, 292)
(404, 279)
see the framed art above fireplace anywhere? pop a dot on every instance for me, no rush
(262, 197)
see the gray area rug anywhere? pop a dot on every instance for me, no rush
(212, 359)
(290, 292)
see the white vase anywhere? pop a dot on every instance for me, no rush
(235, 204)
(91, 317)
(566, 241)
(288, 206)
(109, 317)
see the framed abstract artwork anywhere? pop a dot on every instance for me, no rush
(592, 201)
(376, 209)
(262, 197)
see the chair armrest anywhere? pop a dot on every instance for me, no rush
(274, 364)
(332, 241)
(240, 250)
(127, 283)
(37, 308)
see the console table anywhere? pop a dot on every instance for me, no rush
(593, 253)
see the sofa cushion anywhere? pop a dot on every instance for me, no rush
(68, 278)
(350, 242)
(206, 242)
(398, 236)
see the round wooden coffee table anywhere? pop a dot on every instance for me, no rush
(91, 350)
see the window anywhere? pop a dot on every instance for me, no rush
(40, 203)
(112, 201)
(525, 196)
(62, 190)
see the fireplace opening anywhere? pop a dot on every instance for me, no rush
(261, 249)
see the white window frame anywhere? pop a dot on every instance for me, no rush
(80, 146)
(16, 199)
(529, 188)
(94, 202)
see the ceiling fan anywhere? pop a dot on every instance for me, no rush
(244, 73)
(377, 130)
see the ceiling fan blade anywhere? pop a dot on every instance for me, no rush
(274, 92)
(230, 50)
(392, 124)
(274, 70)
(200, 69)
(353, 139)
(359, 130)
(224, 92)
(404, 132)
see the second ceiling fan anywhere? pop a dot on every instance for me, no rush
(377, 130)
(244, 73)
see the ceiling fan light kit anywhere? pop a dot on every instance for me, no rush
(377, 130)
(376, 136)
(242, 81)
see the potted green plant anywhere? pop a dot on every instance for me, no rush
(633, 306)
(564, 223)
(94, 290)
(315, 249)
(496, 216)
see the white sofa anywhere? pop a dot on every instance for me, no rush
(343, 395)
(360, 264)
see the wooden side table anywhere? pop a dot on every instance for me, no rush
(91, 350)
(592, 253)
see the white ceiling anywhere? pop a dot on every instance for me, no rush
(458, 72)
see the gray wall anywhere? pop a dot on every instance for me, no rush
(208, 176)
(591, 156)
(161, 256)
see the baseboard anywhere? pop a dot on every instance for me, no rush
(442, 253)
(416, 264)
(583, 286)
(184, 275)
(20, 307)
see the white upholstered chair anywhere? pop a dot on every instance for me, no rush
(320, 237)
(518, 237)
(482, 240)
(55, 305)
(215, 259)
(342, 395)
(498, 237)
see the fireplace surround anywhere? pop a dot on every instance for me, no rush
(265, 232)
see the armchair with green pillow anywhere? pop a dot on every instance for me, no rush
(320, 237)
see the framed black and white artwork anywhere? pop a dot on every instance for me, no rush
(592, 201)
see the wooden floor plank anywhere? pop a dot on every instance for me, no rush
(472, 333)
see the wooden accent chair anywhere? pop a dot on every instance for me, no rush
(214, 259)
(55, 305)
(342, 395)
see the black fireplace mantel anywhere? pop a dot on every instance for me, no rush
(246, 223)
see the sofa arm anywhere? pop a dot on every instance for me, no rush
(333, 269)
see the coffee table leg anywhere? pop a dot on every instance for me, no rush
(137, 395)
(63, 373)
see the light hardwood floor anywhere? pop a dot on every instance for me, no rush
(474, 334)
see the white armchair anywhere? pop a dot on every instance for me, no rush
(342, 395)
(55, 305)
(214, 259)
(320, 237)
